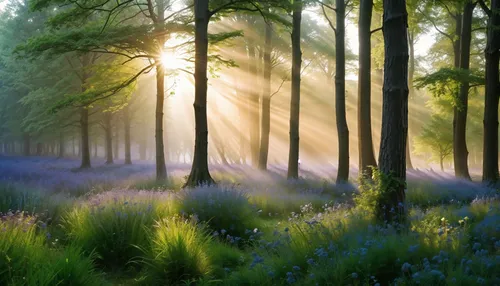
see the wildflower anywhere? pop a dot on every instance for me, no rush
(296, 268)
(310, 261)
(354, 275)
(406, 267)
(476, 246)
(223, 231)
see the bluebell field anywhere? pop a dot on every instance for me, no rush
(114, 225)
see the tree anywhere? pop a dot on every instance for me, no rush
(392, 155)
(492, 56)
(293, 156)
(460, 152)
(365, 143)
(266, 99)
(436, 138)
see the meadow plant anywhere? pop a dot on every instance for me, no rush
(112, 224)
(179, 252)
(227, 211)
(26, 259)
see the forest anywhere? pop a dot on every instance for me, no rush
(249, 142)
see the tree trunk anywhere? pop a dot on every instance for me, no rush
(460, 152)
(392, 156)
(39, 149)
(441, 164)
(161, 169)
(340, 112)
(95, 148)
(253, 105)
(199, 171)
(116, 141)
(61, 150)
(266, 100)
(108, 128)
(26, 144)
(411, 72)
(85, 144)
(293, 156)
(492, 56)
(73, 145)
(126, 121)
(143, 146)
(365, 141)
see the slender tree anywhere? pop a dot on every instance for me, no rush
(108, 130)
(492, 56)
(340, 112)
(392, 155)
(293, 156)
(460, 152)
(266, 99)
(365, 142)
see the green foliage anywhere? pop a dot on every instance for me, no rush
(113, 225)
(179, 252)
(436, 139)
(375, 194)
(225, 210)
(25, 259)
(447, 81)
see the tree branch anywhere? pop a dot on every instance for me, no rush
(376, 30)
(485, 8)
(435, 26)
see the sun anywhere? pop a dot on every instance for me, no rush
(171, 61)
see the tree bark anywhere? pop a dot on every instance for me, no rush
(392, 156)
(266, 100)
(84, 144)
(365, 140)
(460, 152)
(492, 56)
(108, 129)
(293, 156)
(161, 169)
(253, 105)
(340, 112)
(95, 147)
(126, 127)
(411, 73)
(199, 170)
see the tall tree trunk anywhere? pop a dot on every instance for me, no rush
(293, 156)
(492, 56)
(460, 152)
(199, 171)
(61, 150)
(340, 112)
(39, 149)
(392, 156)
(126, 121)
(266, 100)
(365, 141)
(95, 147)
(108, 129)
(116, 142)
(84, 143)
(161, 169)
(73, 145)
(441, 164)
(26, 144)
(253, 105)
(411, 73)
(143, 145)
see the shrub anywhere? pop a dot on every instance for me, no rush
(226, 211)
(112, 223)
(178, 252)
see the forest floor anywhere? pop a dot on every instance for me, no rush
(115, 225)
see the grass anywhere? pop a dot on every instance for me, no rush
(246, 232)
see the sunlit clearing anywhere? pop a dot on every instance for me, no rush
(171, 61)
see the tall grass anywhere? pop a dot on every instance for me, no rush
(112, 224)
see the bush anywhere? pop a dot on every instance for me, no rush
(112, 224)
(178, 252)
(226, 211)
